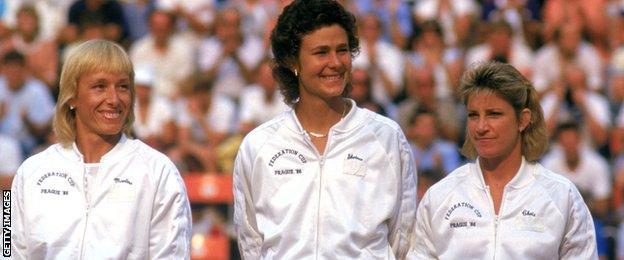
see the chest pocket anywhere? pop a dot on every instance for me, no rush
(354, 166)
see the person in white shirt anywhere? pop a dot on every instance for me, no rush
(97, 194)
(154, 114)
(261, 101)
(504, 205)
(326, 179)
(584, 166)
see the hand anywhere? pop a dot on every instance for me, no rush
(230, 47)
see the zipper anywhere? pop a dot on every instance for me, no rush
(85, 186)
(496, 217)
(318, 212)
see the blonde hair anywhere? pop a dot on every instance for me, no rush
(90, 56)
(507, 83)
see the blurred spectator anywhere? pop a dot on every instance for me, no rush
(52, 14)
(500, 46)
(41, 53)
(395, 17)
(136, 13)
(587, 169)
(195, 18)
(29, 105)
(588, 15)
(567, 48)
(572, 100)
(153, 114)
(431, 153)
(12, 155)
(107, 12)
(256, 15)
(204, 120)
(171, 56)
(361, 91)
(261, 101)
(427, 49)
(420, 87)
(229, 58)
(382, 59)
(456, 17)
(522, 15)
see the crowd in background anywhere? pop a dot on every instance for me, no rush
(203, 78)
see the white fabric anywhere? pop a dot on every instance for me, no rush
(229, 80)
(10, 155)
(220, 117)
(52, 14)
(592, 175)
(541, 216)
(159, 113)
(547, 66)
(390, 60)
(355, 201)
(171, 67)
(255, 109)
(137, 208)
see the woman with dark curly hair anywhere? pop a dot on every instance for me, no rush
(326, 179)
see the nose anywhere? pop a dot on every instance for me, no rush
(334, 60)
(112, 95)
(482, 125)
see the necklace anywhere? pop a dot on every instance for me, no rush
(318, 135)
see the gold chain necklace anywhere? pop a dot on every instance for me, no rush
(317, 135)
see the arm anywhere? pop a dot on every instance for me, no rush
(421, 237)
(249, 238)
(170, 224)
(579, 238)
(402, 223)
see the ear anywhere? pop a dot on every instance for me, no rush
(71, 102)
(524, 119)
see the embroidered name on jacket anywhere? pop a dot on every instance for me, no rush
(455, 206)
(279, 154)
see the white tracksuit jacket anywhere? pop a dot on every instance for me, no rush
(355, 201)
(541, 216)
(138, 208)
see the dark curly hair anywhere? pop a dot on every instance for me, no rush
(298, 19)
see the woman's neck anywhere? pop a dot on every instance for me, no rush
(318, 115)
(497, 172)
(94, 146)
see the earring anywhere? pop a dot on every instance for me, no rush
(296, 74)
(71, 107)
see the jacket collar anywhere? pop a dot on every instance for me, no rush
(120, 149)
(353, 119)
(523, 177)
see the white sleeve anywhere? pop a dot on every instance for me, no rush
(18, 225)
(170, 223)
(421, 237)
(402, 223)
(221, 117)
(249, 239)
(579, 238)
